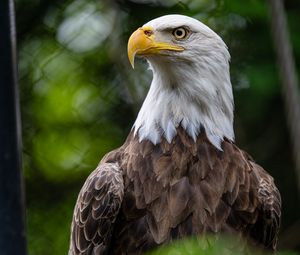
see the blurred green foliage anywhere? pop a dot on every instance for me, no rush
(79, 96)
(211, 245)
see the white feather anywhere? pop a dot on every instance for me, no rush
(190, 88)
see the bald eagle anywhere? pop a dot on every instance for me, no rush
(179, 173)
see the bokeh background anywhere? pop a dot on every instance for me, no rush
(79, 97)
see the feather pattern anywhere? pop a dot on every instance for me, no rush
(180, 189)
(96, 210)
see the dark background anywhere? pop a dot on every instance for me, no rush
(79, 97)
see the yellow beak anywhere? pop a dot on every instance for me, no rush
(142, 42)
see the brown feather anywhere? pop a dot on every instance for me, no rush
(96, 210)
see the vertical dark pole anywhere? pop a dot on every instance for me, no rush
(12, 230)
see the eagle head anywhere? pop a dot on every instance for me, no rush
(191, 82)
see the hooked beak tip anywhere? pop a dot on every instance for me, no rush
(131, 60)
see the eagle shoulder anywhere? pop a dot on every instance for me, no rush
(96, 210)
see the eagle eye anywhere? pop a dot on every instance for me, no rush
(180, 33)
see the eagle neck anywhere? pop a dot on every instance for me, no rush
(190, 101)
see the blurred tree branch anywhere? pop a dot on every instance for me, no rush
(288, 76)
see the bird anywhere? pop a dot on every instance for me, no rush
(179, 173)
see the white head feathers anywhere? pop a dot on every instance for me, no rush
(190, 88)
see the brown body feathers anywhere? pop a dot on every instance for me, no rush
(143, 195)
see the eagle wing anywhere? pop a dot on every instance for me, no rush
(96, 210)
(268, 222)
(253, 197)
(257, 206)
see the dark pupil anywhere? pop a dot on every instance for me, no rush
(179, 33)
